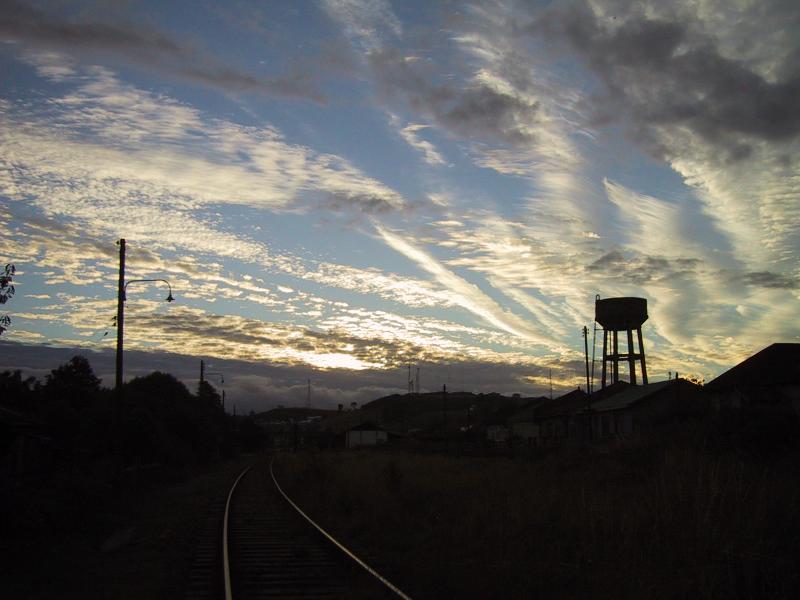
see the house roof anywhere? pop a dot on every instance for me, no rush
(17, 420)
(527, 412)
(776, 364)
(630, 395)
(563, 405)
(636, 393)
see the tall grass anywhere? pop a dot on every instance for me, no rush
(661, 521)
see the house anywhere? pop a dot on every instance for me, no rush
(365, 434)
(497, 434)
(523, 426)
(559, 419)
(547, 422)
(769, 377)
(636, 408)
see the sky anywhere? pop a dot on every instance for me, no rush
(336, 189)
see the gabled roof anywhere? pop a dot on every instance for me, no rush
(610, 390)
(636, 393)
(527, 411)
(630, 395)
(567, 404)
(777, 364)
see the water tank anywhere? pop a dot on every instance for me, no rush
(620, 314)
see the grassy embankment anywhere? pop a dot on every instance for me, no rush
(665, 520)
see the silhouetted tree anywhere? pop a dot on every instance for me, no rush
(208, 395)
(67, 394)
(74, 382)
(16, 392)
(179, 427)
(6, 292)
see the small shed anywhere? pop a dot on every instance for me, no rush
(365, 434)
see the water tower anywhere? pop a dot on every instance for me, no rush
(616, 315)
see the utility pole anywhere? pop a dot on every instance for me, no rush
(121, 313)
(417, 381)
(120, 317)
(202, 371)
(586, 354)
(594, 343)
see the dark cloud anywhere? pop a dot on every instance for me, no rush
(148, 49)
(472, 111)
(370, 204)
(260, 385)
(768, 279)
(669, 72)
(641, 269)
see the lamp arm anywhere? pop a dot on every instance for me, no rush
(169, 297)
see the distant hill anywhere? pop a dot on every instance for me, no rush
(427, 411)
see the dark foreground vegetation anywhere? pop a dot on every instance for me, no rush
(702, 510)
(79, 465)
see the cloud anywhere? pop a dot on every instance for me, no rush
(366, 22)
(770, 280)
(428, 150)
(476, 110)
(464, 293)
(313, 330)
(668, 70)
(148, 49)
(138, 143)
(641, 269)
(260, 386)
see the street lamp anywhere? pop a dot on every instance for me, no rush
(121, 297)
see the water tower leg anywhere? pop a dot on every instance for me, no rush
(631, 358)
(641, 355)
(615, 358)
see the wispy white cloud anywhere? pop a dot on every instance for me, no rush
(366, 22)
(137, 139)
(465, 294)
(431, 155)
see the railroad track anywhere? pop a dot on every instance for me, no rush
(262, 545)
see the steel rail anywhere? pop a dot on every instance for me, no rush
(226, 568)
(389, 585)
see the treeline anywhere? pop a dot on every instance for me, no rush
(84, 428)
